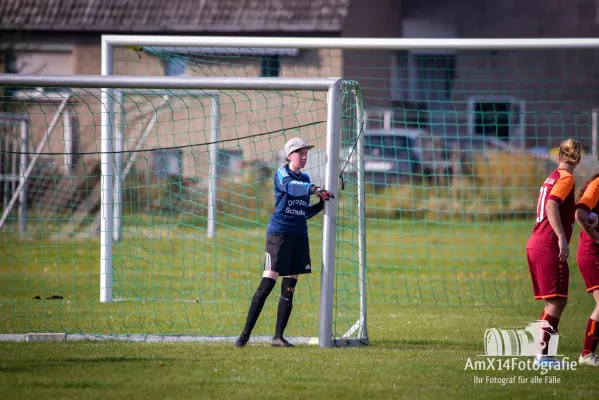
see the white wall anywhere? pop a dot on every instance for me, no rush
(44, 62)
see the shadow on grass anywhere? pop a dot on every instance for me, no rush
(70, 385)
(33, 365)
(98, 360)
(421, 344)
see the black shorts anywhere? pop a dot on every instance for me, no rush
(287, 254)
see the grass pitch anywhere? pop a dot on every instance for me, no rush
(416, 352)
(433, 290)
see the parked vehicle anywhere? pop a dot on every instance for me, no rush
(389, 155)
(398, 150)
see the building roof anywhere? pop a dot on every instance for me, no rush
(174, 15)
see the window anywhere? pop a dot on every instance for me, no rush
(498, 117)
(425, 78)
(229, 162)
(174, 67)
(43, 62)
(167, 162)
(385, 145)
(270, 66)
(10, 62)
(433, 77)
(400, 76)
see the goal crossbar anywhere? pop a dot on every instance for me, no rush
(135, 41)
(168, 82)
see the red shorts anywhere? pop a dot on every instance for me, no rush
(589, 269)
(549, 276)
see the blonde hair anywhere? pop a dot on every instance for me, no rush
(570, 151)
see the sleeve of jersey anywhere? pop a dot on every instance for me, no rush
(590, 198)
(315, 209)
(287, 184)
(562, 189)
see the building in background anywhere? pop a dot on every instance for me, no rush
(532, 97)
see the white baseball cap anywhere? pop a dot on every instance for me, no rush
(296, 144)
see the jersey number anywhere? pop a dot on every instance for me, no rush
(541, 204)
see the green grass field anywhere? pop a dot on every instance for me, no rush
(415, 352)
(433, 290)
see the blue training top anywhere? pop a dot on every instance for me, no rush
(292, 203)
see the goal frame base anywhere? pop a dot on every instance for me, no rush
(78, 337)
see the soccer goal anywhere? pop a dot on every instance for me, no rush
(447, 122)
(164, 212)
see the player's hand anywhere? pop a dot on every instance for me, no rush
(323, 195)
(592, 222)
(564, 250)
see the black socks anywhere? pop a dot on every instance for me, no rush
(285, 305)
(266, 286)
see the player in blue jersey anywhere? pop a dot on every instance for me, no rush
(287, 246)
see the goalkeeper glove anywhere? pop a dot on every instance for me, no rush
(323, 195)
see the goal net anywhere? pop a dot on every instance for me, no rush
(458, 136)
(149, 221)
